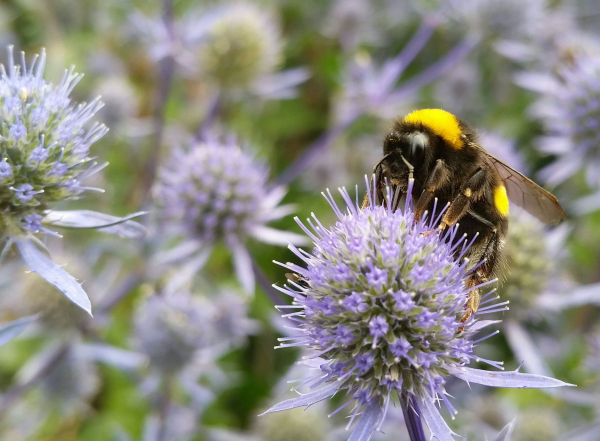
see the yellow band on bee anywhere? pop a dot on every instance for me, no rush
(501, 200)
(440, 122)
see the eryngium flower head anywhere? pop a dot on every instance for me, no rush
(241, 42)
(529, 265)
(44, 142)
(170, 329)
(570, 110)
(384, 303)
(380, 302)
(218, 192)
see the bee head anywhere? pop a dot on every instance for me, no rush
(412, 146)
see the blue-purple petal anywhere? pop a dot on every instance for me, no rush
(434, 420)
(10, 330)
(242, 263)
(412, 419)
(512, 379)
(306, 399)
(39, 263)
(86, 219)
(506, 433)
(367, 423)
(113, 356)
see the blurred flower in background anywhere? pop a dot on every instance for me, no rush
(171, 329)
(569, 107)
(239, 43)
(216, 192)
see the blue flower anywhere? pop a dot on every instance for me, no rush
(44, 145)
(216, 192)
(569, 107)
(235, 47)
(404, 353)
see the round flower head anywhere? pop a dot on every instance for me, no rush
(570, 110)
(241, 42)
(380, 303)
(218, 192)
(169, 329)
(556, 43)
(529, 265)
(44, 142)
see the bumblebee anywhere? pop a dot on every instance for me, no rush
(443, 156)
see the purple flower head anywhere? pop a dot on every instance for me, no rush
(17, 131)
(240, 43)
(403, 301)
(378, 326)
(169, 329)
(569, 109)
(236, 47)
(45, 133)
(235, 200)
(397, 352)
(5, 170)
(355, 303)
(400, 347)
(25, 192)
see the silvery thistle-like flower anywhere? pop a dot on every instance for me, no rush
(181, 336)
(170, 329)
(44, 156)
(379, 303)
(569, 107)
(216, 192)
(554, 44)
(241, 42)
(236, 47)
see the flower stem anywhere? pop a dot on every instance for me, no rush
(164, 406)
(211, 115)
(412, 418)
(165, 80)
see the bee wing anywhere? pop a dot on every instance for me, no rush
(528, 195)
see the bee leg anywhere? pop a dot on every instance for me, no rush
(485, 268)
(437, 179)
(381, 178)
(470, 191)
